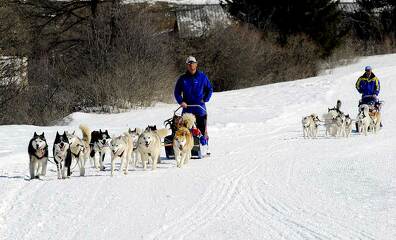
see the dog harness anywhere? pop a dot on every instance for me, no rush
(120, 155)
(77, 155)
(42, 151)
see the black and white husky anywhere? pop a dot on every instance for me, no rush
(62, 155)
(38, 155)
(100, 144)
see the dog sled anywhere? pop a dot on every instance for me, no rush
(373, 106)
(173, 123)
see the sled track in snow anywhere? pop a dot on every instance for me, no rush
(270, 210)
(222, 193)
(275, 215)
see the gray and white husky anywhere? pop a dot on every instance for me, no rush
(62, 155)
(38, 156)
(340, 125)
(330, 119)
(363, 119)
(348, 125)
(135, 153)
(310, 125)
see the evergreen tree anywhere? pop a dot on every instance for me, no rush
(388, 17)
(375, 19)
(319, 19)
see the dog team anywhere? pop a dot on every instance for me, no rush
(130, 148)
(339, 124)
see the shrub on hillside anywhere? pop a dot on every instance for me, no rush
(240, 56)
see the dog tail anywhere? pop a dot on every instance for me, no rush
(163, 132)
(189, 120)
(338, 106)
(86, 133)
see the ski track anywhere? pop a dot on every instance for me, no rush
(263, 180)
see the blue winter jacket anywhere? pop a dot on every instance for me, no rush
(368, 85)
(193, 90)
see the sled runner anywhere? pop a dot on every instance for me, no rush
(173, 123)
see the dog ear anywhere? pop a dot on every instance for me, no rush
(107, 132)
(42, 135)
(35, 134)
(57, 133)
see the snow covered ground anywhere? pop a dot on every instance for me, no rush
(263, 180)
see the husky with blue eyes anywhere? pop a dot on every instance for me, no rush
(38, 156)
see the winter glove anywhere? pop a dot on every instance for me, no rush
(196, 132)
(203, 140)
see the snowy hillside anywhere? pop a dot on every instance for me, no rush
(263, 180)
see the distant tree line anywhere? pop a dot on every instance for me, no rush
(323, 21)
(374, 20)
(82, 55)
(90, 55)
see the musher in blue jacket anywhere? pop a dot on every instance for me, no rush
(194, 88)
(369, 86)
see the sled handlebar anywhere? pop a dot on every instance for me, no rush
(188, 107)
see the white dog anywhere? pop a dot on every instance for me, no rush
(149, 146)
(310, 126)
(135, 153)
(364, 119)
(348, 125)
(122, 148)
(80, 148)
(340, 125)
(330, 121)
(183, 142)
(375, 121)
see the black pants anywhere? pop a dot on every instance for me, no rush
(201, 124)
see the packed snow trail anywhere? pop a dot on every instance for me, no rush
(263, 180)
